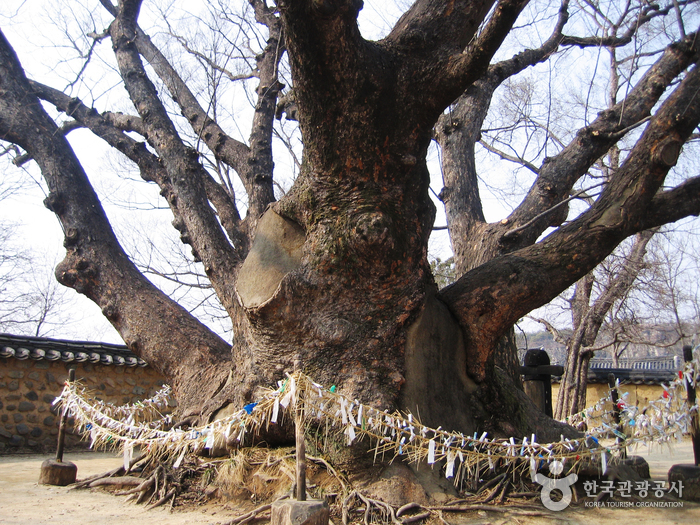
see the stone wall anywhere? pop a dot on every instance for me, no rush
(28, 422)
(637, 394)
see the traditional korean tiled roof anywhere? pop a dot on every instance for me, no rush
(642, 370)
(668, 362)
(41, 348)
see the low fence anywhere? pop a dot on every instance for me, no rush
(396, 434)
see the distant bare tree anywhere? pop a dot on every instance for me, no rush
(593, 298)
(32, 302)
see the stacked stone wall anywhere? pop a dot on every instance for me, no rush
(29, 422)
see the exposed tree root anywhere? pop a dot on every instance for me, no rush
(118, 480)
(265, 476)
(405, 508)
(142, 487)
(170, 494)
(385, 510)
(250, 516)
(86, 482)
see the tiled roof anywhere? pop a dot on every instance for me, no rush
(670, 362)
(637, 377)
(41, 348)
(641, 370)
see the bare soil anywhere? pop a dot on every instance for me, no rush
(23, 501)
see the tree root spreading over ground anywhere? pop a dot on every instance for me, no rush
(262, 476)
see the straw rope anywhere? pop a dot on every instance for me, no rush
(396, 434)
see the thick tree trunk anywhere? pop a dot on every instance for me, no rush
(353, 231)
(336, 281)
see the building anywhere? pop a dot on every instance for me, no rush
(641, 377)
(33, 371)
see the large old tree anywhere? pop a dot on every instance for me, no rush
(333, 278)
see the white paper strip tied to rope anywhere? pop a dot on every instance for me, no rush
(661, 420)
(148, 410)
(395, 434)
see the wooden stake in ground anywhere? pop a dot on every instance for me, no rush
(301, 457)
(300, 512)
(56, 472)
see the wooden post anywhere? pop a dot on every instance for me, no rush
(57, 472)
(616, 410)
(690, 389)
(537, 378)
(62, 424)
(300, 511)
(301, 456)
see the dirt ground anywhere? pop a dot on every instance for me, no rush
(23, 501)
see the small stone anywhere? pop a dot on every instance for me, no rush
(18, 418)
(49, 421)
(16, 374)
(22, 429)
(31, 418)
(34, 376)
(16, 441)
(42, 365)
(48, 398)
(29, 384)
(36, 432)
(13, 397)
(13, 385)
(32, 396)
(26, 406)
(139, 391)
(10, 408)
(689, 476)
